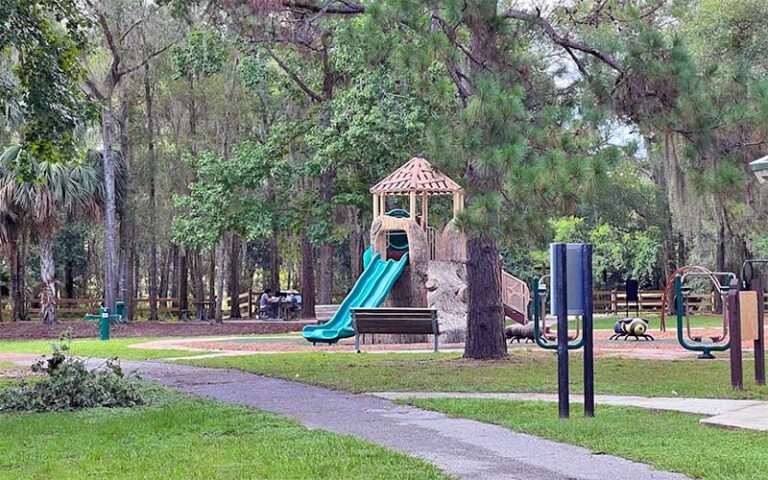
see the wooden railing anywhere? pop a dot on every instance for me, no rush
(615, 301)
(431, 239)
(515, 293)
(77, 307)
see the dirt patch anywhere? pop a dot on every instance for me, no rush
(299, 345)
(81, 329)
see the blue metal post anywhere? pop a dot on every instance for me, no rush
(589, 365)
(561, 287)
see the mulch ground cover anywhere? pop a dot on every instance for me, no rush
(81, 329)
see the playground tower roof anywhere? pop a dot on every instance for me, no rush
(417, 176)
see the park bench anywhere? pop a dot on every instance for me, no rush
(417, 321)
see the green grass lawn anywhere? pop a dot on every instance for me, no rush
(524, 371)
(667, 440)
(116, 347)
(184, 438)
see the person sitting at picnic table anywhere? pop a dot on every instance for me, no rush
(293, 301)
(269, 302)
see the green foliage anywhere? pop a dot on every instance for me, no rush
(228, 196)
(204, 54)
(69, 385)
(617, 255)
(48, 35)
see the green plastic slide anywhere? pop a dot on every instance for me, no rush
(370, 290)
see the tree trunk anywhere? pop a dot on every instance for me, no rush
(325, 250)
(307, 278)
(198, 274)
(18, 283)
(151, 160)
(47, 273)
(220, 279)
(183, 277)
(234, 278)
(355, 246)
(485, 313)
(274, 260)
(136, 275)
(174, 277)
(110, 221)
(212, 283)
(127, 228)
(69, 279)
(164, 274)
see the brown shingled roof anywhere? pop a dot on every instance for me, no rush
(418, 175)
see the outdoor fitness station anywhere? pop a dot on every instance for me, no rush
(571, 294)
(742, 304)
(415, 270)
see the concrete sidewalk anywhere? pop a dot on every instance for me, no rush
(746, 414)
(463, 448)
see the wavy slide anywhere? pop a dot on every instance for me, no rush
(370, 290)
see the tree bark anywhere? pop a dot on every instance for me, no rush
(234, 277)
(18, 280)
(220, 279)
(355, 245)
(69, 279)
(307, 278)
(164, 274)
(136, 275)
(127, 227)
(48, 301)
(110, 221)
(173, 278)
(325, 250)
(212, 283)
(199, 267)
(183, 280)
(151, 160)
(274, 260)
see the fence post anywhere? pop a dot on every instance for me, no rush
(250, 303)
(614, 301)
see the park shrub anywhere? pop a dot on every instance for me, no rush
(67, 384)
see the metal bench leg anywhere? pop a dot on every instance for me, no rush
(435, 331)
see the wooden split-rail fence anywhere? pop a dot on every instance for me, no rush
(248, 302)
(609, 302)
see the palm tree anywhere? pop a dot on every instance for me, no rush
(43, 200)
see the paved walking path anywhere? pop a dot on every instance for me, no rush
(747, 414)
(463, 448)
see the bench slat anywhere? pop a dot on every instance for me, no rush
(410, 327)
(395, 318)
(393, 309)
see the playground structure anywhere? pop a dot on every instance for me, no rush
(412, 264)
